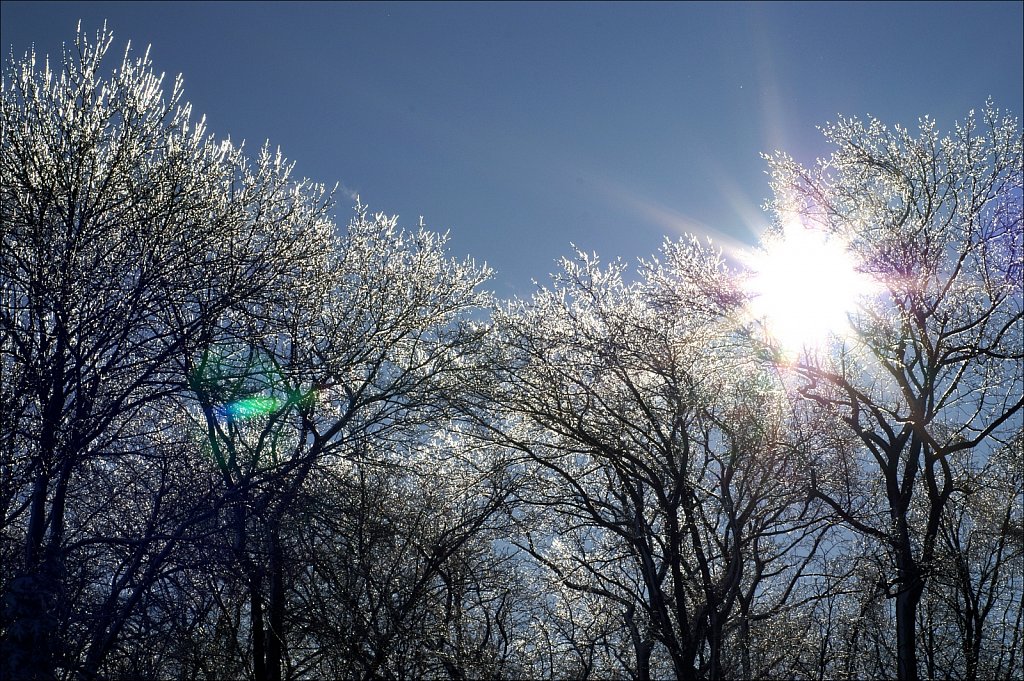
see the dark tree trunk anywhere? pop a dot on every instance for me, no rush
(30, 607)
(29, 613)
(642, 647)
(745, 661)
(27, 649)
(259, 659)
(275, 635)
(906, 629)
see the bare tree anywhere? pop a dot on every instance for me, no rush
(973, 614)
(661, 476)
(361, 365)
(127, 235)
(239, 441)
(933, 367)
(190, 348)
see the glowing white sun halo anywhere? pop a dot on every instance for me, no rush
(803, 287)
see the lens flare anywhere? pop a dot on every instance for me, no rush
(251, 407)
(804, 286)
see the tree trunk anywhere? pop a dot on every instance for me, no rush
(275, 635)
(745, 663)
(259, 660)
(27, 651)
(641, 647)
(906, 629)
(684, 662)
(714, 644)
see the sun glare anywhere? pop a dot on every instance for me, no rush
(804, 286)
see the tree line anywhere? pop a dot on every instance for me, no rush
(241, 440)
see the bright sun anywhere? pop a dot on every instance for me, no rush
(804, 286)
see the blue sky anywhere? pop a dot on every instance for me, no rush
(524, 127)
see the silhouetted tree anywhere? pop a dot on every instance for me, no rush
(662, 482)
(127, 236)
(930, 380)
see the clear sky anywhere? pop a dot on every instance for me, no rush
(524, 127)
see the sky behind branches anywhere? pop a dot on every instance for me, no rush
(522, 128)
